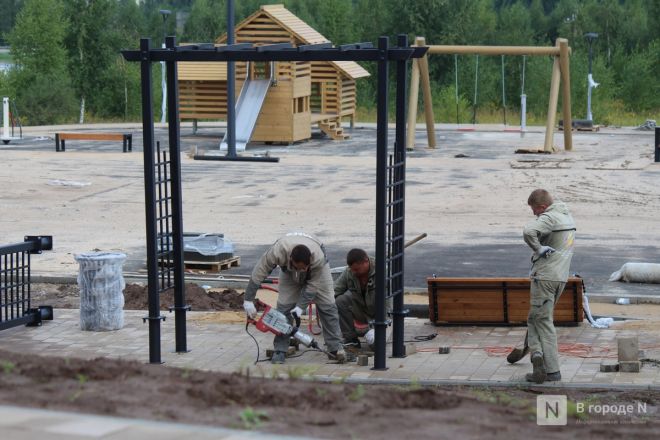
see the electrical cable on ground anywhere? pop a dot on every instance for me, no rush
(247, 324)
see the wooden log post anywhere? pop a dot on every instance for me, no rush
(412, 105)
(552, 106)
(426, 89)
(566, 93)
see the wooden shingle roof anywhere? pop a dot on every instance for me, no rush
(300, 31)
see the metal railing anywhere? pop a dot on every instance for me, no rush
(15, 302)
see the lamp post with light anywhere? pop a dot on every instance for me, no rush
(165, 13)
(591, 84)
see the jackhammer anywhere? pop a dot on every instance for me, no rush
(275, 322)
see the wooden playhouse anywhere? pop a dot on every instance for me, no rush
(300, 94)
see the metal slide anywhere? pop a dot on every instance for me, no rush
(251, 99)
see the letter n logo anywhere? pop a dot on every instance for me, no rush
(551, 410)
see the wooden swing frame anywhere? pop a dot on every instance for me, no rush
(560, 76)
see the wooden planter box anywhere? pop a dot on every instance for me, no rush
(496, 301)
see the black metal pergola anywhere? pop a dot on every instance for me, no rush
(162, 173)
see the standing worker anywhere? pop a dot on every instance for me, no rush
(551, 236)
(355, 293)
(305, 277)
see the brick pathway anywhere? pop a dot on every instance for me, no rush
(477, 354)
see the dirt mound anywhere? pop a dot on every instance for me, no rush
(136, 298)
(67, 296)
(319, 410)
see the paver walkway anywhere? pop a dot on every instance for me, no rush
(478, 354)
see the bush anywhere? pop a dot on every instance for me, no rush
(45, 100)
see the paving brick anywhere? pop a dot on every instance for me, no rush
(628, 349)
(629, 366)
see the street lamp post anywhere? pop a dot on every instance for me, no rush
(165, 13)
(591, 84)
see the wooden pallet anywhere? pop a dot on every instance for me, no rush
(209, 266)
(212, 266)
(495, 301)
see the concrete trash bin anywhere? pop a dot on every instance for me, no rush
(101, 284)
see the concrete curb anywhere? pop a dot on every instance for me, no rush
(483, 383)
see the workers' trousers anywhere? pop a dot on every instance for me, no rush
(541, 334)
(292, 293)
(349, 313)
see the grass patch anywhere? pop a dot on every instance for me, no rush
(357, 393)
(7, 366)
(251, 418)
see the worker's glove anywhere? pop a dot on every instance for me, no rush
(296, 312)
(370, 337)
(544, 251)
(250, 309)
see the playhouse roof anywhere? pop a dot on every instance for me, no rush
(302, 32)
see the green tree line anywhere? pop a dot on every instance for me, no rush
(68, 65)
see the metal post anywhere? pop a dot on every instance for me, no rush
(523, 113)
(174, 130)
(154, 317)
(398, 312)
(380, 323)
(657, 144)
(5, 118)
(590, 36)
(231, 86)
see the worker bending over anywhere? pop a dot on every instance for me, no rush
(305, 277)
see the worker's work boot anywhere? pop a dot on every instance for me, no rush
(538, 374)
(553, 377)
(339, 356)
(354, 343)
(517, 354)
(278, 357)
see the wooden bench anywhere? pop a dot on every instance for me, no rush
(126, 138)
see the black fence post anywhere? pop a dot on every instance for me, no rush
(231, 86)
(174, 132)
(380, 324)
(399, 208)
(154, 316)
(657, 144)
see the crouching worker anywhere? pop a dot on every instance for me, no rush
(305, 277)
(355, 294)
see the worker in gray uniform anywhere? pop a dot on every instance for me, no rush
(551, 236)
(355, 294)
(305, 277)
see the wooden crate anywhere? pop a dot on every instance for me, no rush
(496, 301)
